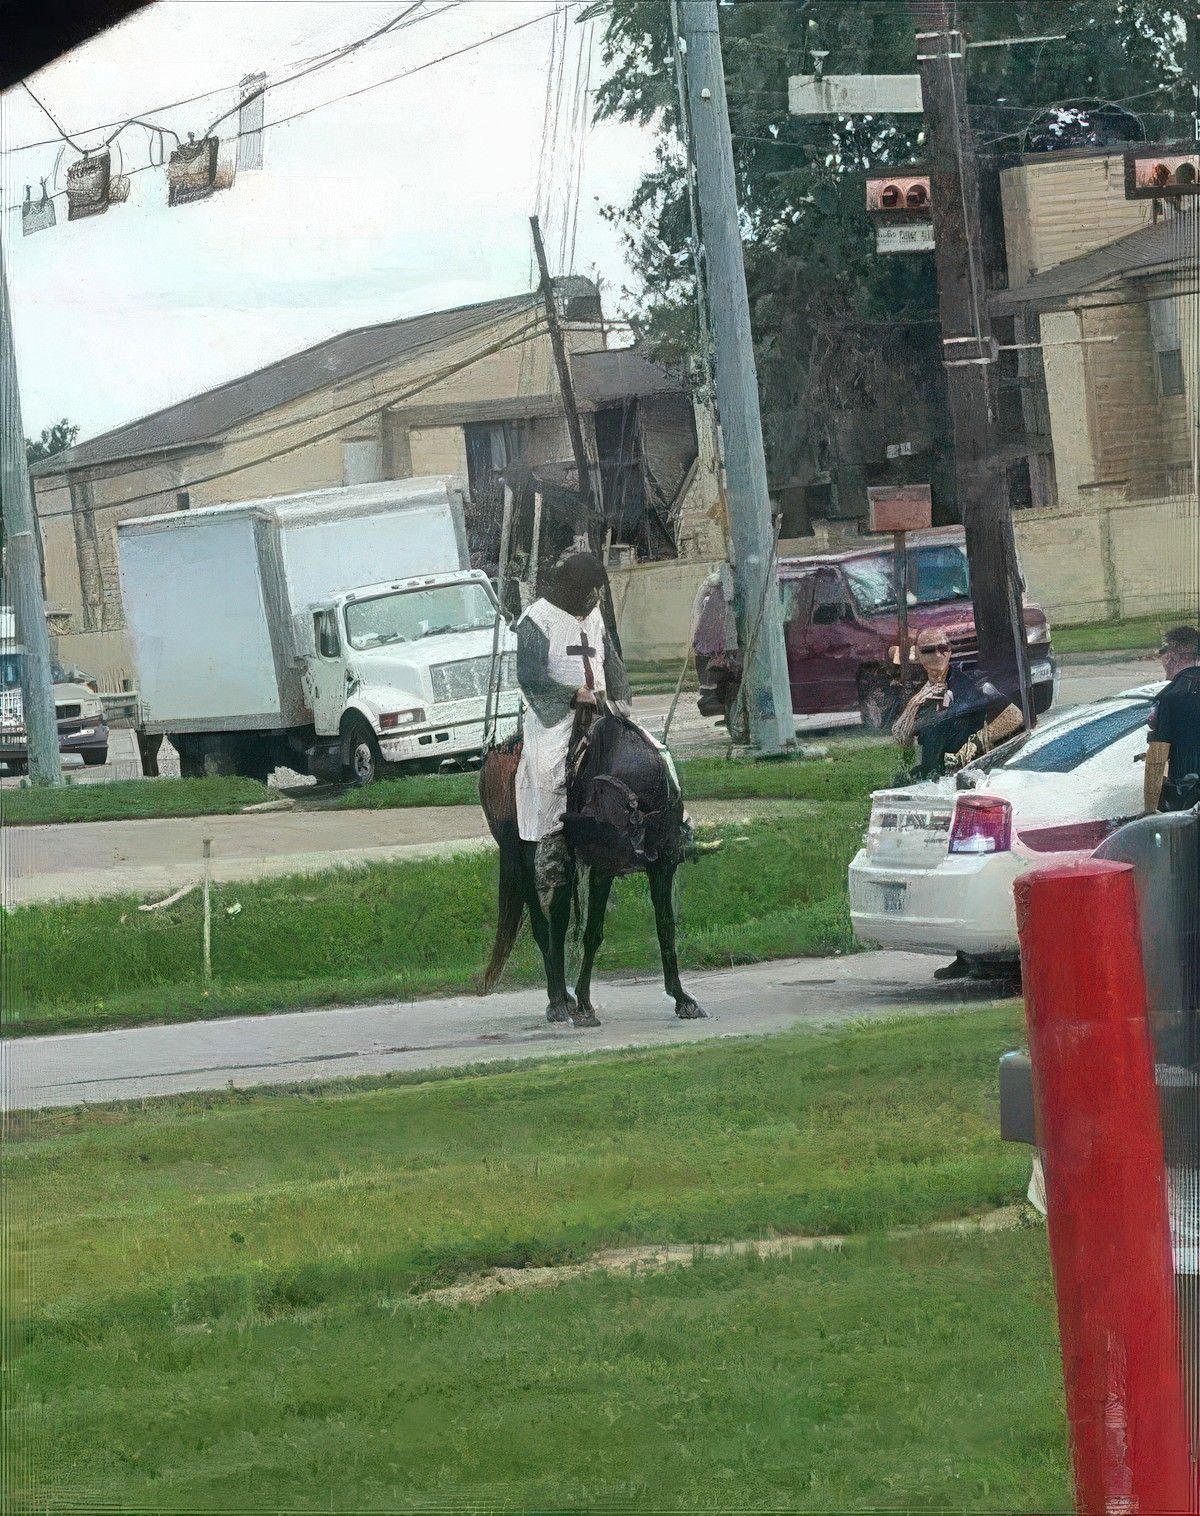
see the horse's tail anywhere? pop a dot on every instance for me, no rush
(497, 793)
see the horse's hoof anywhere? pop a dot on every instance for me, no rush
(557, 1013)
(584, 1018)
(688, 1010)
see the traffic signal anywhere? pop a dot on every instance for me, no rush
(1151, 174)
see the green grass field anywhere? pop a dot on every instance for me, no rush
(1136, 634)
(130, 800)
(776, 889)
(852, 769)
(217, 1297)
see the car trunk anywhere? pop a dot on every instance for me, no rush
(911, 828)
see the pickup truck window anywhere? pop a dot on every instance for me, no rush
(409, 615)
(797, 597)
(829, 598)
(936, 574)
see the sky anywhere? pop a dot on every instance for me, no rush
(414, 196)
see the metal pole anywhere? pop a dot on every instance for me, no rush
(574, 427)
(22, 565)
(900, 574)
(969, 354)
(535, 545)
(208, 910)
(495, 684)
(765, 674)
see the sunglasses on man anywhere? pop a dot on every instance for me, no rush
(933, 647)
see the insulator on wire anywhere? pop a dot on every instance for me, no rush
(88, 183)
(37, 215)
(192, 170)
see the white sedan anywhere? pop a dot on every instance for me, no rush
(935, 873)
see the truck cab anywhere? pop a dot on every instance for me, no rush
(399, 672)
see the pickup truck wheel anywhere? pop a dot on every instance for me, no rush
(365, 762)
(93, 757)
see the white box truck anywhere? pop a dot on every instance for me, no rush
(331, 632)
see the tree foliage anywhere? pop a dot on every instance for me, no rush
(54, 439)
(846, 338)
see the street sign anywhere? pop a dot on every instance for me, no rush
(855, 95)
(899, 450)
(900, 507)
(913, 237)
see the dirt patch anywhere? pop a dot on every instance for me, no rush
(645, 1259)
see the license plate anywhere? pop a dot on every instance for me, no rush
(1041, 673)
(892, 898)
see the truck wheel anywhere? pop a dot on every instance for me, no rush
(365, 762)
(876, 698)
(93, 757)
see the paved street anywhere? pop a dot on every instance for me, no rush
(427, 1034)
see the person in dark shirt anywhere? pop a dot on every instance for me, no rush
(1173, 757)
(953, 718)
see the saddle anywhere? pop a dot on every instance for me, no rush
(608, 824)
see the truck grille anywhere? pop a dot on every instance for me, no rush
(964, 646)
(468, 678)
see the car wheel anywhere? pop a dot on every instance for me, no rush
(364, 761)
(875, 701)
(93, 757)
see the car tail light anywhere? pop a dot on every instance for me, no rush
(982, 824)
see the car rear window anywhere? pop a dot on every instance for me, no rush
(1065, 751)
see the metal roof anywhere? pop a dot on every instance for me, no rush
(330, 362)
(1157, 249)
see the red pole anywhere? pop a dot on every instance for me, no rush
(1106, 1195)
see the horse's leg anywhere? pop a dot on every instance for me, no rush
(662, 878)
(544, 934)
(599, 888)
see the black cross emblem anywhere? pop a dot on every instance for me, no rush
(585, 650)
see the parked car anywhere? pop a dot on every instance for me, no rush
(935, 873)
(82, 727)
(841, 624)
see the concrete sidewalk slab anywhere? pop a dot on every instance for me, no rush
(304, 1046)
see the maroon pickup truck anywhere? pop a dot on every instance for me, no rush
(840, 625)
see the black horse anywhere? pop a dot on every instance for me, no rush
(624, 815)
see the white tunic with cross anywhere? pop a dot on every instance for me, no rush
(575, 657)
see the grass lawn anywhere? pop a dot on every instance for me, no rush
(130, 800)
(776, 889)
(1137, 634)
(659, 676)
(214, 1294)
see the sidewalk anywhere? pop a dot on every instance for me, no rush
(307, 1046)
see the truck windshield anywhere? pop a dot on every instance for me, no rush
(409, 615)
(936, 573)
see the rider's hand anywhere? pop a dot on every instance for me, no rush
(584, 696)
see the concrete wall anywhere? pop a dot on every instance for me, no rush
(1116, 558)
(654, 602)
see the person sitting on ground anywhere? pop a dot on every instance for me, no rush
(1173, 757)
(954, 718)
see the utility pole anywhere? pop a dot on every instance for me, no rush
(756, 603)
(582, 464)
(22, 564)
(969, 353)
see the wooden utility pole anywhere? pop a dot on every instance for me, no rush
(969, 353)
(756, 602)
(582, 464)
(22, 565)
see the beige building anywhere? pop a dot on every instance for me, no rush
(469, 391)
(1107, 287)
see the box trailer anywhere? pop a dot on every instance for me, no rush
(331, 631)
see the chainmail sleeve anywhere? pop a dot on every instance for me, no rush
(616, 680)
(546, 698)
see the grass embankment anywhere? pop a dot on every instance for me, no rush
(400, 930)
(218, 1315)
(853, 769)
(130, 800)
(1137, 634)
(659, 676)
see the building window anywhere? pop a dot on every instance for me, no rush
(1168, 353)
(491, 447)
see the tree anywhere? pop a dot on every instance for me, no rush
(847, 342)
(54, 439)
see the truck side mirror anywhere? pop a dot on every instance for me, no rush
(302, 633)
